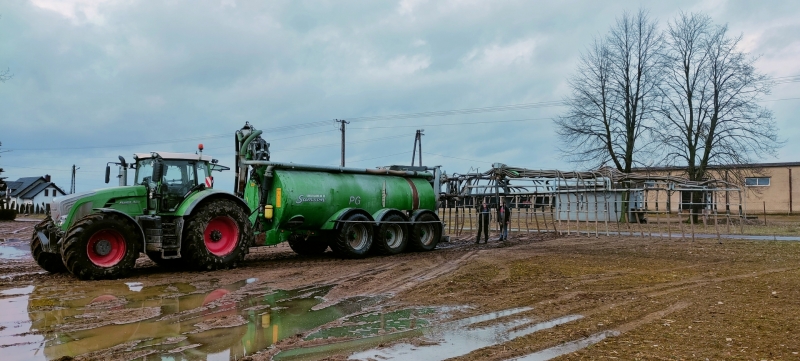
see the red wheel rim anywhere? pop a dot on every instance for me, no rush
(106, 248)
(221, 235)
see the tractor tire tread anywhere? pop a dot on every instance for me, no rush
(50, 262)
(194, 249)
(73, 249)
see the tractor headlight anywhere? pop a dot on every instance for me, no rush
(60, 221)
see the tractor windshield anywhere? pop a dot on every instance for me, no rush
(144, 171)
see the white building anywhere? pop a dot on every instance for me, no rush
(32, 191)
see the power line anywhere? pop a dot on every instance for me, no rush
(448, 124)
(383, 156)
(447, 156)
(441, 113)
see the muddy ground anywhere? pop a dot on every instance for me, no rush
(655, 298)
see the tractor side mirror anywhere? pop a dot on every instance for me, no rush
(108, 173)
(158, 170)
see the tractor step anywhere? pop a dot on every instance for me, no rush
(170, 253)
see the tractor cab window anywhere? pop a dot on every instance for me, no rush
(179, 176)
(144, 171)
(202, 172)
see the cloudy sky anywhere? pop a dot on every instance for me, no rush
(94, 79)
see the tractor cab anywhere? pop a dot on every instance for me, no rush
(171, 177)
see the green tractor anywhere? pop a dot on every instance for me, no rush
(170, 212)
(173, 215)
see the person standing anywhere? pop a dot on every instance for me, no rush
(483, 222)
(504, 218)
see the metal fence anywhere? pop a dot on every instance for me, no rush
(603, 202)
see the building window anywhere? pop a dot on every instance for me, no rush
(45, 192)
(756, 181)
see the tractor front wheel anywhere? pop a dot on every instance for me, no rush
(217, 236)
(50, 262)
(100, 246)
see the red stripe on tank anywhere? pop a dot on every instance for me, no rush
(414, 194)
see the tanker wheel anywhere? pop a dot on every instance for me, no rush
(217, 236)
(50, 262)
(354, 238)
(391, 236)
(425, 233)
(100, 246)
(307, 246)
(171, 263)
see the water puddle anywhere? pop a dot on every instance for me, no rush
(453, 339)
(565, 348)
(176, 321)
(211, 321)
(14, 249)
(432, 340)
(17, 291)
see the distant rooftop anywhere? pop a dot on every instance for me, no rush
(717, 166)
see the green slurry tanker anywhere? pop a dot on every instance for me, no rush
(172, 213)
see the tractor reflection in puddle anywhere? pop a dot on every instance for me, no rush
(177, 319)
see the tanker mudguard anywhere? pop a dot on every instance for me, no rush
(383, 213)
(126, 216)
(187, 207)
(333, 222)
(419, 212)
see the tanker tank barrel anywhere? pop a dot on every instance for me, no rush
(308, 167)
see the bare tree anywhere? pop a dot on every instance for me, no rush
(614, 95)
(710, 113)
(5, 75)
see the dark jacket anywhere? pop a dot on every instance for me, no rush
(484, 211)
(506, 214)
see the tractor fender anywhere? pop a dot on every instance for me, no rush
(198, 198)
(130, 220)
(333, 221)
(385, 212)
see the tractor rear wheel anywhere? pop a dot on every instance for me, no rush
(100, 246)
(307, 246)
(425, 233)
(391, 236)
(217, 236)
(50, 262)
(354, 238)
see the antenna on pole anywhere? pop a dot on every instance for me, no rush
(417, 141)
(342, 127)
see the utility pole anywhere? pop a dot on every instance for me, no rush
(343, 123)
(417, 140)
(72, 185)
